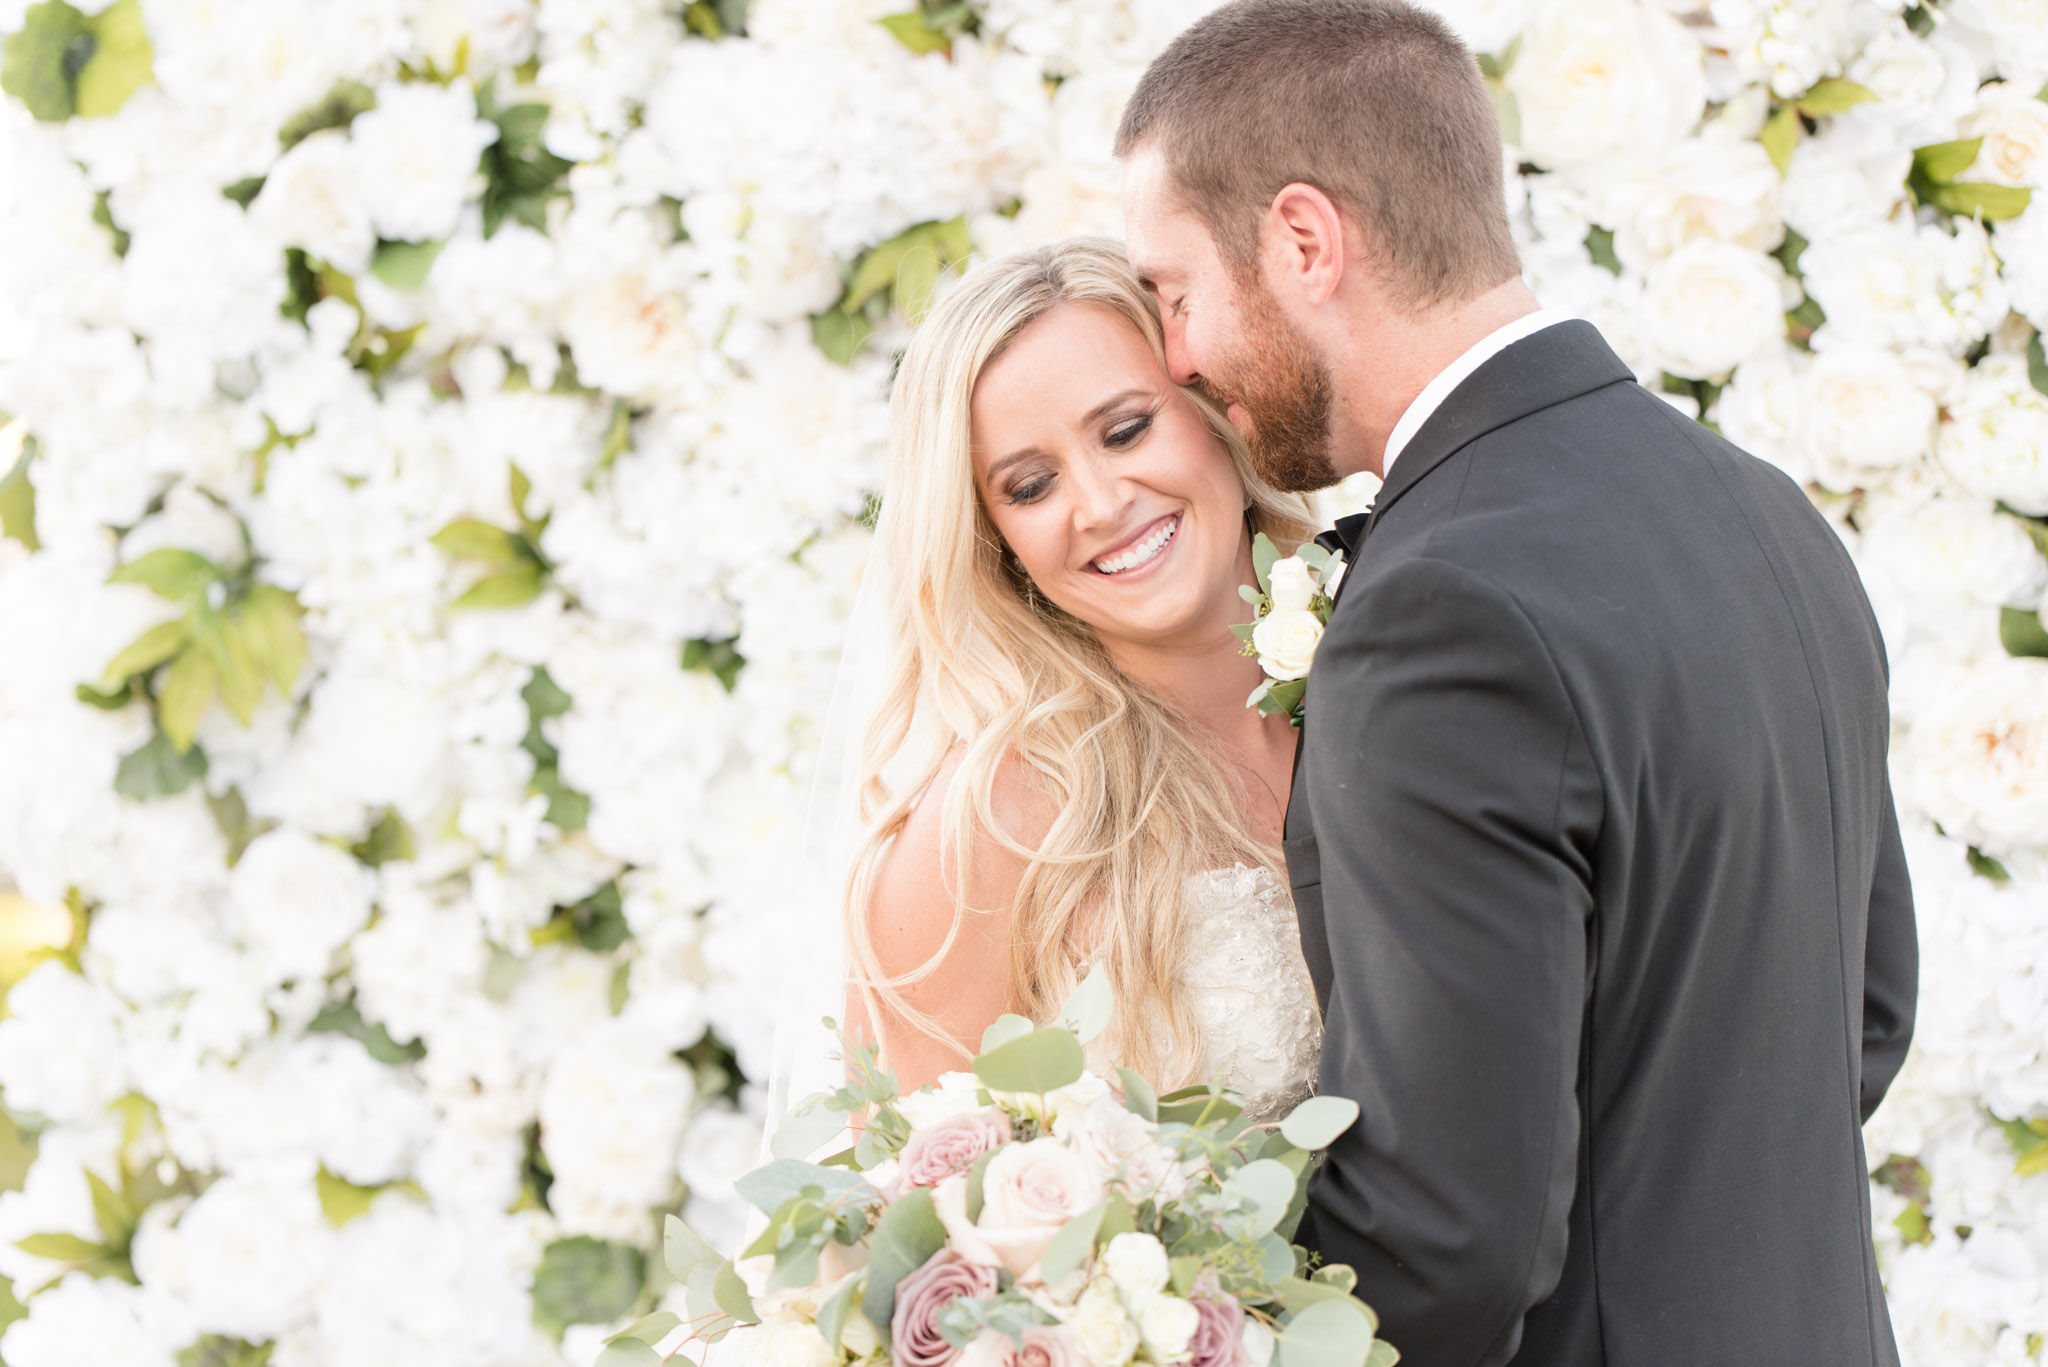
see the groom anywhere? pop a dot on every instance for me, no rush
(1592, 841)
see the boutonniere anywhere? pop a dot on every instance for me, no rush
(1293, 600)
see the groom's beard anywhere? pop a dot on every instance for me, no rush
(1285, 391)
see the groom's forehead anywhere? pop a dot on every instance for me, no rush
(1160, 235)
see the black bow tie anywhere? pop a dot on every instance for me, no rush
(1343, 538)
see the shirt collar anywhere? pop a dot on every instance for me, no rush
(1451, 376)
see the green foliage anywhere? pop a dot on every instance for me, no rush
(338, 108)
(120, 63)
(389, 839)
(585, 1281)
(117, 1209)
(218, 1350)
(2029, 1140)
(716, 18)
(404, 265)
(933, 25)
(342, 1201)
(1087, 1009)
(61, 63)
(1600, 246)
(2021, 633)
(244, 191)
(633, 1346)
(231, 817)
(17, 493)
(516, 571)
(1039, 1062)
(159, 769)
(720, 659)
(2037, 364)
(1782, 131)
(1984, 866)
(520, 175)
(904, 1239)
(1932, 180)
(103, 214)
(1316, 1122)
(344, 1019)
(598, 922)
(1330, 1333)
(568, 809)
(899, 274)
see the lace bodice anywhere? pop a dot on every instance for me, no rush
(1251, 990)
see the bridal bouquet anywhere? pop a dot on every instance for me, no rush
(1029, 1213)
(1294, 598)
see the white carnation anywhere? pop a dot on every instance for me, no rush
(1712, 305)
(1597, 79)
(1787, 44)
(1996, 440)
(416, 158)
(1980, 756)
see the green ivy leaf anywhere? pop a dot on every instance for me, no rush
(178, 575)
(1941, 162)
(1087, 1010)
(683, 1250)
(40, 62)
(404, 265)
(1139, 1098)
(509, 589)
(17, 493)
(338, 108)
(158, 769)
(1973, 199)
(120, 63)
(1833, 95)
(148, 650)
(585, 1281)
(1072, 1245)
(2022, 634)
(912, 31)
(1780, 135)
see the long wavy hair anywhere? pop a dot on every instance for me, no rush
(990, 670)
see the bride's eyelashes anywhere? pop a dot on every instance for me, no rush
(1027, 489)
(1125, 433)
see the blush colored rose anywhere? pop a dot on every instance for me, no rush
(921, 1296)
(1028, 1192)
(948, 1147)
(1219, 1332)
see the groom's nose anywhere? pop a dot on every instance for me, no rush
(1179, 365)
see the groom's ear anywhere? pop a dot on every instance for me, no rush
(1305, 250)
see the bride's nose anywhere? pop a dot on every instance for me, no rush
(1102, 500)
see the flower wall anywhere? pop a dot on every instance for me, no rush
(438, 445)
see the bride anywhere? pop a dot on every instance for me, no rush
(1060, 770)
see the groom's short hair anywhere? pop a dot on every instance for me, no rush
(1374, 102)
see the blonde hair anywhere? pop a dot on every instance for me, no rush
(989, 670)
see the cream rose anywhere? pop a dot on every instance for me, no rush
(1167, 1323)
(1124, 1145)
(1980, 756)
(1136, 1264)
(1292, 588)
(782, 1341)
(1028, 1192)
(1763, 409)
(1712, 187)
(1711, 305)
(1597, 79)
(1101, 1329)
(1286, 642)
(1996, 440)
(1863, 414)
(311, 200)
(2014, 126)
(953, 1094)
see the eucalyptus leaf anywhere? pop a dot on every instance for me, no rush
(1003, 1029)
(149, 650)
(837, 1307)
(731, 1294)
(1267, 1187)
(1070, 1247)
(1139, 1098)
(1088, 1006)
(766, 1188)
(808, 1127)
(1264, 556)
(1317, 1122)
(627, 1352)
(1038, 1063)
(905, 1238)
(683, 1250)
(1330, 1333)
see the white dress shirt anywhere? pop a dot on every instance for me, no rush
(1458, 371)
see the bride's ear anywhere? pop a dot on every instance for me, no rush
(1304, 244)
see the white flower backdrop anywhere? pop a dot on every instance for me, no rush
(437, 438)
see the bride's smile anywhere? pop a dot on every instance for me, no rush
(1113, 493)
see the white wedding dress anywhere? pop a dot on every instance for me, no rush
(1250, 989)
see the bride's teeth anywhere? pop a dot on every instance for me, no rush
(1140, 553)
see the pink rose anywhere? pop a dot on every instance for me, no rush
(921, 1296)
(1028, 1192)
(1219, 1331)
(1046, 1345)
(947, 1148)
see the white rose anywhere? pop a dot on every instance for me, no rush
(296, 901)
(1601, 78)
(1943, 548)
(1763, 409)
(1256, 1343)
(953, 1094)
(2014, 126)
(1708, 187)
(1483, 25)
(611, 1115)
(1996, 440)
(1980, 756)
(1848, 176)
(1083, 1093)
(1101, 1329)
(781, 1341)
(1292, 588)
(254, 1254)
(1286, 642)
(1922, 85)
(2023, 248)
(2017, 30)
(416, 155)
(1863, 414)
(1136, 1263)
(312, 199)
(1712, 305)
(1167, 1323)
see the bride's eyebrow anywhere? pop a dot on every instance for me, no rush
(1093, 415)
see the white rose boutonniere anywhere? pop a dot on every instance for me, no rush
(1293, 601)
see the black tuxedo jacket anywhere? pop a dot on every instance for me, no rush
(1600, 883)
